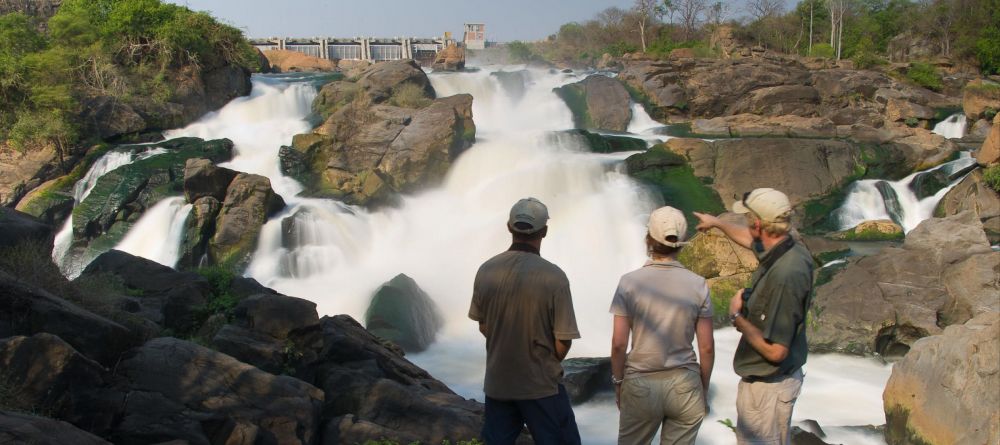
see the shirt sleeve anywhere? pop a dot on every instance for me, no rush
(786, 310)
(475, 309)
(618, 302)
(705, 311)
(564, 317)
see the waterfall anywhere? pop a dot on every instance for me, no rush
(109, 161)
(641, 122)
(901, 201)
(158, 233)
(952, 128)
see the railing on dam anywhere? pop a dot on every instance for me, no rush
(358, 48)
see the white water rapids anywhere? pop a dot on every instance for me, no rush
(952, 128)
(337, 255)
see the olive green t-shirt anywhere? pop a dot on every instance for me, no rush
(777, 306)
(525, 303)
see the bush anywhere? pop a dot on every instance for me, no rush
(823, 50)
(912, 122)
(991, 176)
(409, 95)
(925, 75)
(519, 52)
(988, 50)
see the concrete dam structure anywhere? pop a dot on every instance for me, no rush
(373, 49)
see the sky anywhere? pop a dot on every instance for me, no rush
(505, 20)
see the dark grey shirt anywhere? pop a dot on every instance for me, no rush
(781, 296)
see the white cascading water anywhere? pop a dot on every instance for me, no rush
(864, 201)
(337, 255)
(108, 162)
(952, 128)
(158, 233)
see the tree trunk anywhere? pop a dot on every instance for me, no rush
(642, 34)
(810, 27)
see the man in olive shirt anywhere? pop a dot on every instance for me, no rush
(523, 305)
(771, 315)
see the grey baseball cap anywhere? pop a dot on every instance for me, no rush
(531, 213)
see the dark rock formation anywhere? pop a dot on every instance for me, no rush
(945, 273)
(202, 178)
(17, 227)
(584, 377)
(248, 204)
(16, 428)
(29, 310)
(598, 102)
(944, 390)
(598, 143)
(401, 312)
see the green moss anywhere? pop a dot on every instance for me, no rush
(721, 292)
(576, 99)
(601, 143)
(898, 429)
(871, 234)
(991, 177)
(670, 175)
(825, 274)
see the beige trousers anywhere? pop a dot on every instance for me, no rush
(672, 399)
(764, 410)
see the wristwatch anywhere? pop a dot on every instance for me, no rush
(615, 381)
(734, 316)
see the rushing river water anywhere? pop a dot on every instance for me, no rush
(338, 255)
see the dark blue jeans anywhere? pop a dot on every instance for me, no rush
(550, 420)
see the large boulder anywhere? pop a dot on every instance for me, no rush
(943, 274)
(945, 390)
(979, 96)
(779, 100)
(750, 125)
(167, 297)
(249, 202)
(598, 102)
(262, 328)
(30, 310)
(285, 61)
(711, 254)
(451, 58)
(972, 194)
(380, 80)
(25, 170)
(369, 155)
(989, 153)
(585, 377)
(373, 389)
(17, 428)
(401, 312)
(198, 231)
(899, 110)
(48, 202)
(180, 390)
(17, 227)
(668, 175)
(43, 373)
(203, 178)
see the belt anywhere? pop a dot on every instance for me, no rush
(768, 379)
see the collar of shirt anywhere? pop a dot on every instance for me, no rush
(663, 263)
(522, 247)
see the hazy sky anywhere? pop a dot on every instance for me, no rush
(505, 19)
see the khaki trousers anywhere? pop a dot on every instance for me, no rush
(672, 399)
(764, 410)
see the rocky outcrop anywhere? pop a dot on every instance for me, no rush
(121, 196)
(180, 390)
(379, 81)
(262, 328)
(989, 153)
(285, 61)
(671, 179)
(27, 428)
(972, 194)
(711, 254)
(979, 96)
(944, 390)
(25, 170)
(749, 125)
(584, 377)
(451, 58)
(369, 155)
(598, 103)
(945, 273)
(17, 227)
(877, 230)
(30, 310)
(248, 204)
(401, 312)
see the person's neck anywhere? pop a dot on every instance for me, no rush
(536, 244)
(770, 241)
(662, 258)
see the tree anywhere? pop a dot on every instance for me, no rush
(761, 9)
(690, 14)
(837, 10)
(717, 13)
(646, 12)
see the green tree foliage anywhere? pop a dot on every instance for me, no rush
(519, 52)
(925, 75)
(119, 48)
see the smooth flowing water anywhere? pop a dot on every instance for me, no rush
(952, 128)
(158, 234)
(876, 199)
(338, 255)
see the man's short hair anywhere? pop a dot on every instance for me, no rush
(779, 227)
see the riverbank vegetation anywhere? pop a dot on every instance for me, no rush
(868, 32)
(120, 49)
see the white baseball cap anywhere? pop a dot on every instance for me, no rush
(667, 221)
(768, 204)
(528, 211)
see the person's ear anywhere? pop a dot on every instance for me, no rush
(545, 231)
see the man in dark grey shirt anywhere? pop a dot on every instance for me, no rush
(523, 305)
(771, 314)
